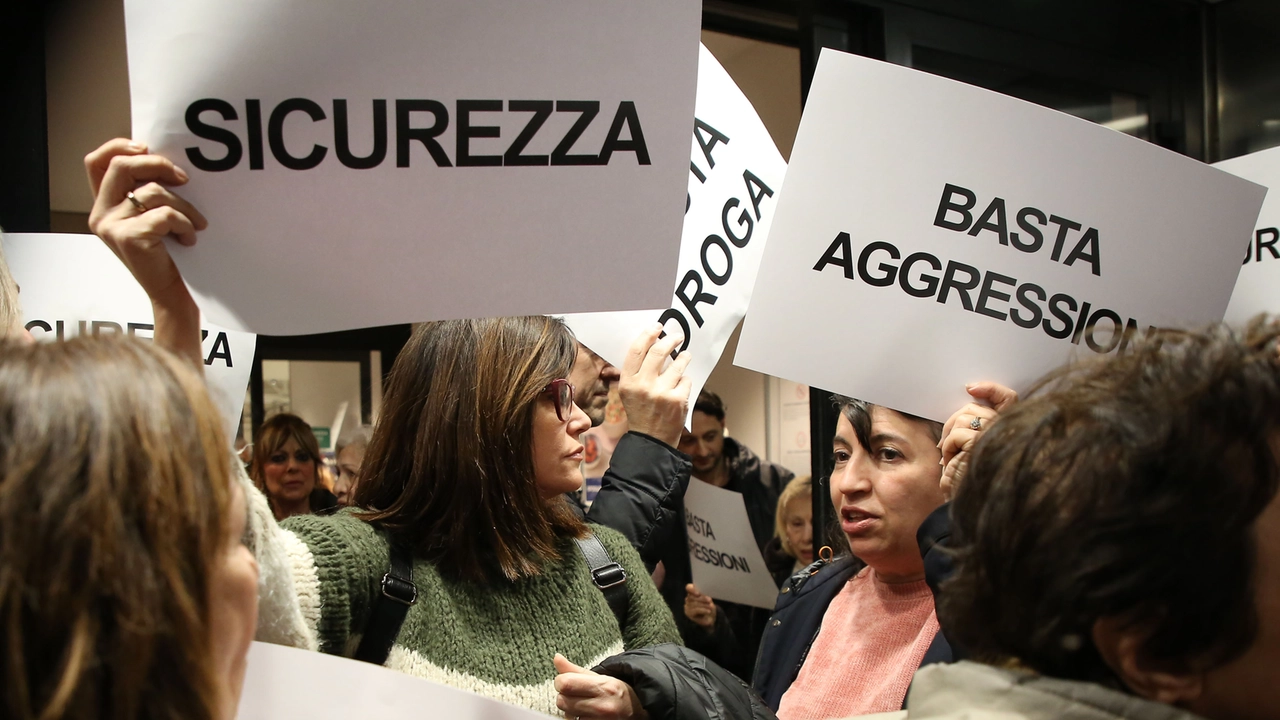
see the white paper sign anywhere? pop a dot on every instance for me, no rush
(726, 562)
(73, 285)
(934, 234)
(735, 175)
(453, 158)
(1258, 286)
(282, 683)
(610, 334)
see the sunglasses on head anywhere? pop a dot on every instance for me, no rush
(562, 394)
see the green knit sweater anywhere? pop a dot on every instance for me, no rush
(495, 639)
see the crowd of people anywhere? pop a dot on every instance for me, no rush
(1107, 546)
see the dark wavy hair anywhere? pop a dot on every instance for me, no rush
(1126, 488)
(449, 469)
(710, 404)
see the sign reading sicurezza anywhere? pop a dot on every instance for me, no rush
(735, 175)
(934, 234)
(1258, 286)
(72, 285)
(399, 160)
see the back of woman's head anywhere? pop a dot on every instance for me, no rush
(1126, 489)
(114, 488)
(450, 466)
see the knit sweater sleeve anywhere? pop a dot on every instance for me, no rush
(649, 620)
(338, 562)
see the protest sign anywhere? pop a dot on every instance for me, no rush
(278, 681)
(610, 334)
(1258, 286)
(457, 158)
(934, 234)
(73, 285)
(735, 175)
(726, 562)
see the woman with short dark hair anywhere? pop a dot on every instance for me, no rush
(1117, 539)
(847, 639)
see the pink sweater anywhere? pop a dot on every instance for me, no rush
(873, 637)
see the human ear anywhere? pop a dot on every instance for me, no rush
(1121, 650)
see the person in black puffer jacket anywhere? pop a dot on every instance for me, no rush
(675, 683)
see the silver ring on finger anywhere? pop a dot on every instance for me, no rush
(976, 423)
(136, 202)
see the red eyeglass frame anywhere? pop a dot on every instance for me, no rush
(553, 387)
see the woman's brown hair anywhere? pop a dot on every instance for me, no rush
(114, 489)
(274, 434)
(450, 466)
(1125, 487)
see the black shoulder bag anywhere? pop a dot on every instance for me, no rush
(399, 593)
(607, 575)
(390, 607)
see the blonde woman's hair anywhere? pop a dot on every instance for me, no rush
(10, 308)
(802, 485)
(114, 492)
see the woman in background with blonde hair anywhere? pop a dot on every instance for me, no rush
(125, 590)
(10, 307)
(791, 549)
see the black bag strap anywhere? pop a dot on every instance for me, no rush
(607, 575)
(389, 608)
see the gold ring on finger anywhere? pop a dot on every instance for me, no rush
(136, 202)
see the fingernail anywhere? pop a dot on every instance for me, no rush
(182, 174)
(969, 386)
(137, 146)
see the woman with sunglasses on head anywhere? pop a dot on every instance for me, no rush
(467, 469)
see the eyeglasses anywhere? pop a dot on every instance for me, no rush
(562, 394)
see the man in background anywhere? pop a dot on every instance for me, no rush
(724, 462)
(726, 632)
(642, 493)
(591, 378)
